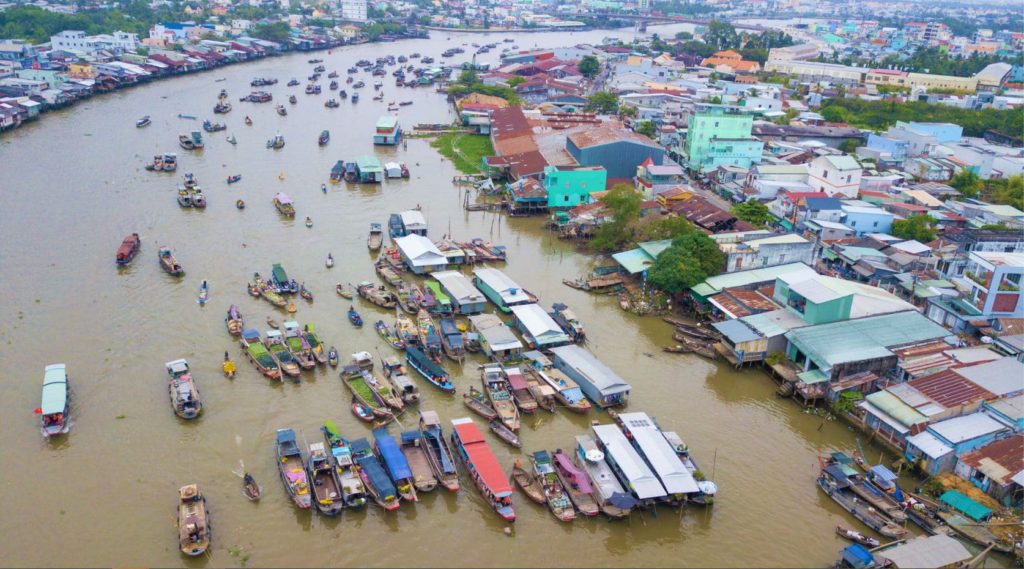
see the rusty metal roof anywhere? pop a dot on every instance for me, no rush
(950, 389)
(1000, 460)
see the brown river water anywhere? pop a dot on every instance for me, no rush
(73, 186)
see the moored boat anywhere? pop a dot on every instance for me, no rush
(54, 409)
(169, 264)
(375, 238)
(193, 521)
(389, 336)
(355, 379)
(414, 449)
(477, 403)
(405, 329)
(290, 464)
(181, 387)
(857, 537)
(397, 466)
(259, 355)
(185, 141)
(556, 498)
(834, 482)
(862, 488)
(394, 371)
(432, 372)
(353, 492)
(451, 340)
(388, 273)
(129, 247)
(429, 340)
(472, 449)
(439, 456)
(374, 477)
(568, 322)
(298, 346)
(614, 501)
(323, 476)
(354, 317)
(316, 347)
(496, 388)
(275, 344)
(377, 294)
(504, 433)
(520, 390)
(566, 390)
(576, 484)
(529, 485)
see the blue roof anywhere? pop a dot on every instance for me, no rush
(250, 333)
(969, 507)
(378, 478)
(398, 467)
(285, 435)
(883, 473)
(858, 556)
(819, 204)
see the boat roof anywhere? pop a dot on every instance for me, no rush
(282, 197)
(481, 457)
(290, 325)
(515, 378)
(502, 284)
(250, 333)
(642, 481)
(539, 324)
(927, 551)
(273, 333)
(537, 357)
(600, 473)
(458, 286)
(371, 466)
(580, 477)
(590, 369)
(969, 507)
(398, 467)
(410, 436)
(387, 122)
(359, 445)
(430, 418)
(659, 454)
(497, 335)
(675, 440)
(423, 361)
(55, 389)
(177, 366)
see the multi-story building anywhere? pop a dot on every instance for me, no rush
(993, 283)
(836, 175)
(720, 136)
(354, 10)
(76, 40)
(570, 186)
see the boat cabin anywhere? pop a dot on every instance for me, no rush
(419, 254)
(500, 289)
(54, 406)
(465, 297)
(369, 170)
(600, 384)
(601, 475)
(649, 441)
(387, 131)
(497, 341)
(538, 328)
(627, 464)
(413, 222)
(483, 467)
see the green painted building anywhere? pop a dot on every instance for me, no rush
(720, 136)
(570, 186)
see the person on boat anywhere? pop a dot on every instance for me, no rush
(323, 188)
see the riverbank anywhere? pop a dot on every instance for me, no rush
(466, 151)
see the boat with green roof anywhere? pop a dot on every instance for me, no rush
(259, 355)
(297, 345)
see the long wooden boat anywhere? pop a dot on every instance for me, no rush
(323, 475)
(374, 477)
(193, 521)
(395, 372)
(556, 498)
(129, 247)
(433, 373)
(406, 330)
(576, 484)
(866, 491)
(316, 347)
(477, 403)
(353, 492)
(483, 467)
(504, 433)
(356, 381)
(857, 537)
(391, 456)
(297, 345)
(275, 344)
(388, 273)
(520, 390)
(702, 333)
(54, 408)
(836, 485)
(701, 347)
(530, 486)
(375, 238)
(451, 340)
(386, 390)
(290, 464)
(974, 531)
(389, 335)
(439, 456)
(181, 388)
(567, 391)
(414, 448)
(169, 264)
(496, 388)
(409, 296)
(259, 355)
(234, 321)
(542, 393)
(377, 294)
(568, 322)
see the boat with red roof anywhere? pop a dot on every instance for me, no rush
(483, 467)
(129, 247)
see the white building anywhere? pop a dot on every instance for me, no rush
(76, 40)
(354, 10)
(836, 175)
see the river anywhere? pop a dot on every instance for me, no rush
(74, 186)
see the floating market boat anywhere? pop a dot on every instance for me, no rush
(477, 403)
(388, 273)
(327, 495)
(197, 140)
(293, 99)
(542, 393)
(504, 433)
(566, 390)
(290, 464)
(451, 340)
(397, 466)
(395, 372)
(250, 488)
(342, 292)
(377, 294)
(495, 386)
(439, 456)
(354, 317)
(406, 330)
(576, 484)
(429, 340)
(530, 486)
(54, 411)
(204, 293)
(284, 204)
(568, 322)
(277, 142)
(353, 492)
(169, 264)
(316, 347)
(614, 501)
(222, 108)
(409, 296)
(360, 383)
(297, 345)
(185, 141)
(324, 138)
(389, 336)
(182, 390)
(520, 390)
(259, 355)
(332, 357)
(556, 498)
(214, 127)
(834, 482)
(374, 477)
(432, 372)
(472, 449)
(275, 344)
(129, 247)
(414, 449)
(193, 521)
(375, 239)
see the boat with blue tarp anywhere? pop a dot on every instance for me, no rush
(451, 340)
(837, 485)
(377, 482)
(432, 372)
(856, 556)
(398, 467)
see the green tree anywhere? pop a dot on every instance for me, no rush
(690, 259)
(277, 32)
(589, 66)
(467, 77)
(753, 212)
(721, 35)
(603, 102)
(515, 81)
(918, 227)
(834, 114)
(684, 36)
(623, 205)
(645, 128)
(1011, 192)
(967, 183)
(849, 145)
(628, 111)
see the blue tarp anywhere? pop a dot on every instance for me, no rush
(398, 467)
(574, 395)
(250, 333)
(435, 438)
(360, 446)
(410, 436)
(378, 478)
(857, 556)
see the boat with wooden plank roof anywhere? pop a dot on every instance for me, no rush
(627, 464)
(483, 467)
(519, 389)
(353, 492)
(495, 386)
(433, 373)
(316, 347)
(566, 390)
(355, 380)
(323, 475)
(395, 372)
(374, 477)
(414, 449)
(194, 534)
(298, 347)
(377, 294)
(576, 484)
(234, 321)
(608, 493)
(54, 409)
(836, 485)
(129, 247)
(258, 354)
(182, 390)
(291, 466)
(439, 456)
(555, 497)
(274, 342)
(397, 466)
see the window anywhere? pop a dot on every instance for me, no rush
(566, 197)
(824, 174)
(875, 224)
(853, 224)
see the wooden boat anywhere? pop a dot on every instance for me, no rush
(496, 388)
(143, 122)
(376, 480)
(451, 340)
(566, 390)
(239, 204)
(354, 317)
(332, 357)
(193, 521)
(471, 447)
(324, 138)
(248, 121)
(530, 486)
(259, 355)
(439, 456)
(414, 449)
(432, 372)
(395, 372)
(360, 383)
(406, 330)
(250, 488)
(836, 485)
(169, 264)
(362, 412)
(275, 344)
(388, 273)
(235, 178)
(700, 347)
(222, 108)
(708, 489)
(477, 403)
(181, 388)
(129, 247)
(557, 500)
(298, 346)
(340, 289)
(305, 293)
(309, 222)
(429, 340)
(568, 322)
(282, 110)
(290, 464)
(329, 263)
(409, 296)
(228, 367)
(54, 409)
(276, 143)
(375, 238)
(974, 531)
(377, 294)
(576, 484)
(389, 336)
(293, 99)
(272, 323)
(863, 489)
(504, 433)
(323, 474)
(857, 537)
(615, 501)
(542, 393)
(204, 293)
(520, 390)
(394, 460)
(353, 492)
(185, 141)
(316, 347)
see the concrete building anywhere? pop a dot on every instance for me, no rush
(759, 251)
(836, 175)
(814, 71)
(77, 41)
(867, 219)
(993, 283)
(720, 136)
(798, 52)
(618, 150)
(354, 10)
(570, 186)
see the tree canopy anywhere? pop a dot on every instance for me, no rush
(967, 183)
(753, 212)
(1010, 191)
(690, 259)
(603, 102)
(589, 66)
(919, 227)
(878, 115)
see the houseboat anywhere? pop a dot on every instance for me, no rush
(483, 467)
(129, 247)
(500, 289)
(539, 330)
(614, 501)
(628, 465)
(565, 389)
(568, 322)
(600, 384)
(284, 204)
(648, 440)
(387, 132)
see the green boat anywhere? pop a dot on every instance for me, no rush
(258, 354)
(355, 380)
(275, 344)
(279, 278)
(316, 347)
(442, 302)
(297, 345)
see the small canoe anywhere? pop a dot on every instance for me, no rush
(304, 293)
(309, 222)
(856, 537)
(332, 357)
(272, 323)
(362, 412)
(204, 293)
(291, 307)
(528, 484)
(355, 318)
(329, 262)
(504, 433)
(477, 405)
(252, 490)
(340, 289)
(240, 204)
(235, 178)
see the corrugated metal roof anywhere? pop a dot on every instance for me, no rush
(609, 135)
(754, 276)
(501, 283)
(930, 445)
(967, 427)
(774, 323)
(1000, 461)
(927, 553)
(949, 389)
(598, 374)
(641, 480)
(736, 331)
(895, 408)
(539, 324)
(1012, 408)
(1001, 377)
(459, 287)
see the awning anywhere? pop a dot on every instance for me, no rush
(813, 376)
